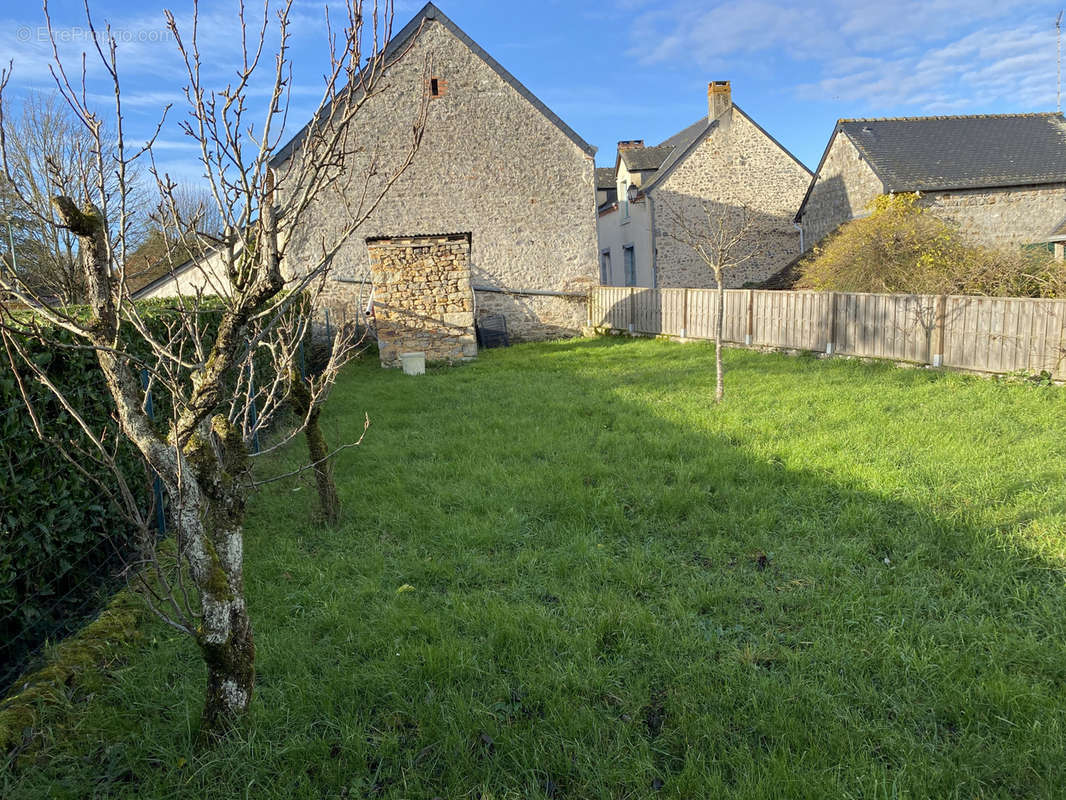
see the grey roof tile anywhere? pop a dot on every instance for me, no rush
(605, 177)
(640, 159)
(963, 152)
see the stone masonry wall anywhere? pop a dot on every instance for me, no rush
(489, 163)
(422, 297)
(1008, 217)
(846, 185)
(736, 165)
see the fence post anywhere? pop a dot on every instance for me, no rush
(631, 313)
(157, 483)
(749, 331)
(684, 315)
(830, 339)
(941, 319)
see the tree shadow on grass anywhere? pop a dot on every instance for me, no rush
(602, 601)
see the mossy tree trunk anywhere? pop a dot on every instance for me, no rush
(219, 459)
(202, 461)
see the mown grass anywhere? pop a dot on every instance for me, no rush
(564, 573)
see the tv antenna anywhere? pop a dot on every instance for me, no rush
(1058, 61)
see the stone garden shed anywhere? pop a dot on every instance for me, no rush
(494, 165)
(1000, 178)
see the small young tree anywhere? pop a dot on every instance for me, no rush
(225, 382)
(723, 237)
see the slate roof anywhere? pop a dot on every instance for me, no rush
(939, 153)
(641, 159)
(681, 144)
(396, 44)
(605, 177)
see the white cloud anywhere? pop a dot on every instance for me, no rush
(928, 55)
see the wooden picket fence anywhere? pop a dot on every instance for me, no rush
(985, 334)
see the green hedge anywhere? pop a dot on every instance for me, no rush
(61, 542)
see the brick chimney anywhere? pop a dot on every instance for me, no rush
(630, 144)
(719, 99)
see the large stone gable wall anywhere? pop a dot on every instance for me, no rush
(489, 163)
(845, 187)
(422, 297)
(735, 165)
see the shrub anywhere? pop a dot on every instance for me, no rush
(902, 247)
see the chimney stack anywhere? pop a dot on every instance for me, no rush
(719, 99)
(630, 144)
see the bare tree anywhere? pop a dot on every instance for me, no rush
(228, 382)
(723, 237)
(49, 153)
(194, 216)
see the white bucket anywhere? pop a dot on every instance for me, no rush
(413, 363)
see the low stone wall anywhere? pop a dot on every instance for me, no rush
(422, 297)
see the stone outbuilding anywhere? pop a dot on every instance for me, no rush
(720, 164)
(1000, 178)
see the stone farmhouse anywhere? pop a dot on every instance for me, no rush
(1000, 178)
(500, 188)
(724, 160)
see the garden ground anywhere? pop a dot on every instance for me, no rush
(563, 572)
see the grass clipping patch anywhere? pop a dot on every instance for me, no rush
(79, 661)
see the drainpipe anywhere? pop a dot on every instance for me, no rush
(799, 227)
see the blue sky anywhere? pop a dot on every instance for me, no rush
(628, 69)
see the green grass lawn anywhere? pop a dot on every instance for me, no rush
(564, 573)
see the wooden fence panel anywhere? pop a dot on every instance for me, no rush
(736, 315)
(1005, 334)
(701, 314)
(895, 327)
(794, 320)
(673, 305)
(989, 334)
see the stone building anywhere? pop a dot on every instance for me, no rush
(494, 165)
(1000, 178)
(722, 163)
